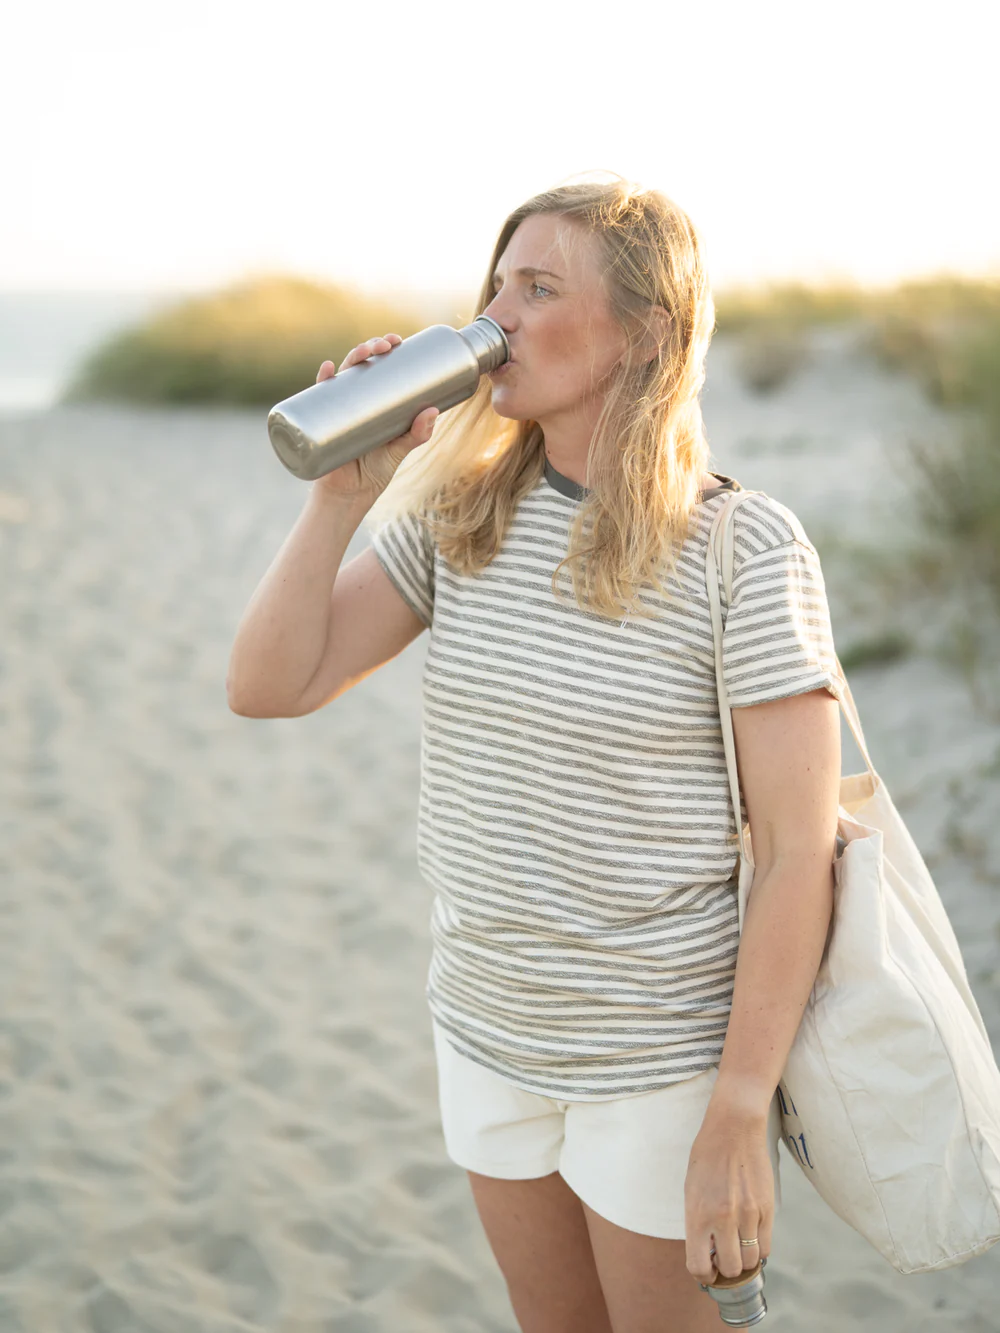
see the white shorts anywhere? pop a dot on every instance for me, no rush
(625, 1158)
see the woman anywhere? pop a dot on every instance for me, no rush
(608, 1047)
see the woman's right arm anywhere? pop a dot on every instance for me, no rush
(287, 641)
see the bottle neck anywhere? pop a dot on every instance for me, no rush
(488, 342)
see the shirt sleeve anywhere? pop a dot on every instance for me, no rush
(778, 639)
(404, 546)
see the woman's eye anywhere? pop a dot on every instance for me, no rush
(541, 289)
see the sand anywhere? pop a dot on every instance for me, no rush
(218, 1100)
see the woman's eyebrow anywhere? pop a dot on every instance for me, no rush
(531, 273)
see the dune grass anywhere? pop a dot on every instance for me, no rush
(944, 332)
(252, 344)
(770, 326)
(956, 481)
(876, 650)
(789, 305)
(260, 340)
(942, 570)
(955, 486)
(915, 327)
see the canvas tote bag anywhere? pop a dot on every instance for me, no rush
(890, 1098)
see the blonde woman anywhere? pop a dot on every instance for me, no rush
(608, 1047)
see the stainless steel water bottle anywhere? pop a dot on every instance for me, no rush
(740, 1299)
(373, 402)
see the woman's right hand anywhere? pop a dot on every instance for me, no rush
(367, 476)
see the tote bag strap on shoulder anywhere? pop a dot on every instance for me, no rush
(719, 556)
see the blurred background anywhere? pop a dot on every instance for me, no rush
(218, 1100)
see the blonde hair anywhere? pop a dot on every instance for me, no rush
(648, 451)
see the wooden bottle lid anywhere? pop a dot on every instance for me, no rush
(724, 1283)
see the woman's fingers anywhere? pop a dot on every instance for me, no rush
(751, 1255)
(423, 425)
(700, 1257)
(363, 351)
(728, 1252)
(763, 1234)
(373, 347)
(719, 1252)
(749, 1230)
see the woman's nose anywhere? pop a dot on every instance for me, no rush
(497, 309)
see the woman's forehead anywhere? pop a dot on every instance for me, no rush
(553, 243)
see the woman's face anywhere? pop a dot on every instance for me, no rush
(563, 340)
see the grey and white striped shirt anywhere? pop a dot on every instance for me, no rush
(575, 820)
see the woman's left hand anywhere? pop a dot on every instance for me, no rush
(728, 1194)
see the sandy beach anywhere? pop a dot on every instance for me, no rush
(218, 1098)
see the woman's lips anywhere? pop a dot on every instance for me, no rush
(500, 370)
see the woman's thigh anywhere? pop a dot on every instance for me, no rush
(508, 1140)
(539, 1236)
(645, 1282)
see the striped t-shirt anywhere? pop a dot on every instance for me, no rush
(575, 819)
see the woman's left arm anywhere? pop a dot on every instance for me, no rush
(788, 759)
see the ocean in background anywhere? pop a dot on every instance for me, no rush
(45, 335)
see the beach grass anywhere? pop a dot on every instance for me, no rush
(259, 340)
(945, 564)
(249, 345)
(944, 570)
(955, 480)
(876, 650)
(790, 305)
(917, 327)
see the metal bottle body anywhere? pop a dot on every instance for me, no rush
(373, 402)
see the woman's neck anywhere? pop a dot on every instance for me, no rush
(575, 473)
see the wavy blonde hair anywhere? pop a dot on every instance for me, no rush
(648, 451)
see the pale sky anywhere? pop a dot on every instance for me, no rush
(382, 144)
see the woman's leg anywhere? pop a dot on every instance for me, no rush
(539, 1236)
(647, 1287)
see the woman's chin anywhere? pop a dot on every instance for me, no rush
(505, 405)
